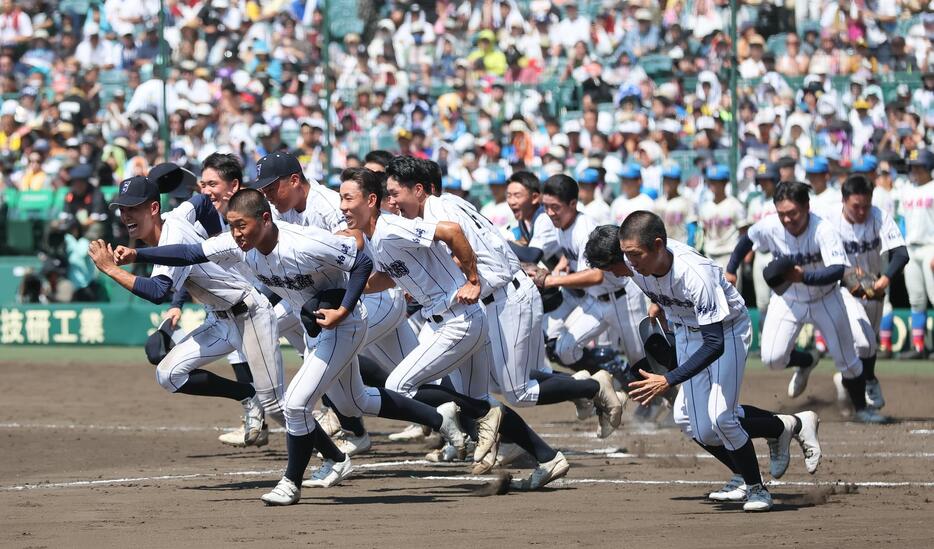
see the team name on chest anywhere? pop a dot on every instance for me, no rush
(862, 246)
(925, 202)
(296, 283)
(396, 269)
(802, 258)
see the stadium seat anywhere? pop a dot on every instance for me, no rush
(34, 205)
(655, 66)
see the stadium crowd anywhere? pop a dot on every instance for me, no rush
(631, 97)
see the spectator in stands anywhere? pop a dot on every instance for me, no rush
(84, 202)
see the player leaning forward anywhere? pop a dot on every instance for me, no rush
(712, 335)
(810, 253)
(302, 264)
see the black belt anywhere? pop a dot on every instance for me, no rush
(492, 297)
(686, 327)
(234, 311)
(618, 293)
(274, 299)
(437, 319)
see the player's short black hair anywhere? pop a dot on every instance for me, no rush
(227, 165)
(602, 250)
(796, 191)
(527, 179)
(644, 227)
(249, 202)
(379, 156)
(370, 182)
(408, 171)
(856, 184)
(561, 186)
(433, 175)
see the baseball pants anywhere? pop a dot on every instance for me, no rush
(328, 368)
(389, 337)
(290, 327)
(722, 260)
(517, 340)
(919, 278)
(255, 332)
(828, 314)
(707, 406)
(863, 330)
(763, 292)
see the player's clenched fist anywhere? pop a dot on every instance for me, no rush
(124, 255)
(468, 293)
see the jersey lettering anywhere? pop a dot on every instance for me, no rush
(396, 269)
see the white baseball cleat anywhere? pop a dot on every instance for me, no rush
(451, 430)
(486, 464)
(870, 415)
(758, 499)
(843, 399)
(780, 448)
(328, 421)
(353, 445)
(807, 439)
(447, 453)
(329, 474)
(253, 420)
(488, 433)
(733, 490)
(874, 396)
(236, 437)
(799, 380)
(285, 493)
(585, 407)
(609, 408)
(543, 474)
(412, 433)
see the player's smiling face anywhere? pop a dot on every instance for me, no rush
(217, 189)
(562, 215)
(246, 229)
(521, 201)
(406, 199)
(356, 209)
(140, 220)
(794, 216)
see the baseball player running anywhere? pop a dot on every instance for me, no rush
(917, 208)
(302, 264)
(604, 250)
(867, 233)
(533, 227)
(603, 301)
(239, 317)
(712, 333)
(812, 260)
(416, 255)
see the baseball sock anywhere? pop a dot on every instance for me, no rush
(539, 375)
(563, 388)
(299, 448)
(762, 427)
(436, 395)
(885, 332)
(372, 374)
(856, 388)
(869, 368)
(917, 329)
(799, 359)
(395, 406)
(326, 446)
(205, 383)
(514, 429)
(721, 453)
(350, 424)
(242, 372)
(746, 463)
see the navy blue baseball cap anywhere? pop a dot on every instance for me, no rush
(767, 171)
(275, 166)
(169, 177)
(923, 158)
(81, 171)
(135, 191)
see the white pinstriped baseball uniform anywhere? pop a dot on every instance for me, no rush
(817, 247)
(616, 303)
(406, 251)
(917, 207)
(695, 293)
(513, 303)
(305, 261)
(254, 331)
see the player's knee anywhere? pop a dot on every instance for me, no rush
(167, 381)
(774, 361)
(728, 430)
(568, 350)
(706, 435)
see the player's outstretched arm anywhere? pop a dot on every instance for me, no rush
(582, 279)
(173, 255)
(452, 235)
(156, 289)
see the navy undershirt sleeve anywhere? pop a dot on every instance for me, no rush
(825, 276)
(155, 289)
(743, 247)
(173, 255)
(359, 274)
(180, 297)
(898, 258)
(710, 351)
(206, 214)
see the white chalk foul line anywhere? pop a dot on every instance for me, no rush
(675, 482)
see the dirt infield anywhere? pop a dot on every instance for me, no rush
(100, 456)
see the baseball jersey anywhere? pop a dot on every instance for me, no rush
(677, 213)
(406, 251)
(866, 242)
(623, 206)
(826, 202)
(322, 210)
(211, 285)
(496, 263)
(693, 292)
(885, 200)
(573, 240)
(817, 247)
(599, 211)
(500, 214)
(917, 207)
(721, 222)
(758, 207)
(305, 261)
(543, 234)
